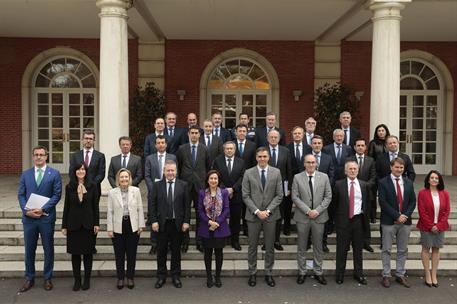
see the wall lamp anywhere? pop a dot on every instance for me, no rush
(297, 94)
(181, 94)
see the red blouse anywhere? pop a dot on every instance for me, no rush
(427, 210)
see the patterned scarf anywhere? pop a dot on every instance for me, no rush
(213, 205)
(81, 190)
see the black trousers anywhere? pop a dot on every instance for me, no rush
(352, 233)
(169, 235)
(125, 244)
(278, 222)
(287, 201)
(235, 218)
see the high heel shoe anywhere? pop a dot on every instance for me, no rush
(218, 282)
(77, 284)
(428, 284)
(209, 281)
(435, 285)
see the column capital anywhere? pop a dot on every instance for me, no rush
(114, 8)
(387, 9)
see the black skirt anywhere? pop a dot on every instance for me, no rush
(80, 241)
(213, 242)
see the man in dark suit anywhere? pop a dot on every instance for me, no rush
(212, 142)
(231, 170)
(261, 133)
(351, 201)
(310, 128)
(193, 165)
(153, 172)
(174, 134)
(383, 160)
(169, 213)
(192, 121)
(95, 163)
(149, 142)
(397, 201)
(218, 130)
(339, 153)
(350, 133)
(245, 120)
(280, 158)
(298, 148)
(367, 173)
(45, 181)
(125, 160)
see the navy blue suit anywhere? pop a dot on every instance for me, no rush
(387, 197)
(50, 186)
(338, 166)
(261, 136)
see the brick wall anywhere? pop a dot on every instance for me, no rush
(185, 61)
(15, 55)
(356, 72)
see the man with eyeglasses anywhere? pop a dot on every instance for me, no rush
(45, 181)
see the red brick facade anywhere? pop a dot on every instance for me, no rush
(15, 55)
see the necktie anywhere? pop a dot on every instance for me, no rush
(297, 153)
(124, 161)
(308, 139)
(194, 156)
(170, 132)
(39, 177)
(161, 165)
(360, 162)
(241, 149)
(208, 140)
(317, 160)
(170, 200)
(229, 165)
(392, 156)
(263, 179)
(338, 154)
(351, 200)
(86, 158)
(399, 195)
(274, 157)
(310, 183)
(216, 132)
(346, 138)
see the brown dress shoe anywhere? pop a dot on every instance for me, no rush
(47, 285)
(402, 281)
(386, 282)
(27, 285)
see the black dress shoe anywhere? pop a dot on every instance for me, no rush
(86, 284)
(301, 279)
(368, 248)
(325, 248)
(361, 280)
(252, 280)
(339, 279)
(177, 282)
(153, 250)
(209, 281)
(263, 247)
(278, 246)
(200, 247)
(27, 285)
(236, 246)
(217, 282)
(130, 284)
(94, 251)
(286, 231)
(270, 281)
(428, 284)
(77, 284)
(160, 282)
(320, 279)
(120, 284)
(373, 221)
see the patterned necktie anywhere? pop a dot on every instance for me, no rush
(338, 154)
(194, 156)
(39, 177)
(124, 161)
(393, 156)
(86, 158)
(351, 200)
(317, 160)
(399, 195)
(229, 165)
(263, 179)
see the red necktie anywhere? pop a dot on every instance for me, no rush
(399, 196)
(86, 158)
(351, 200)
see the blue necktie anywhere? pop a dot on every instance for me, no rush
(194, 156)
(241, 149)
(338, 155)
(263, 179)
(217, 132)
(274, 157)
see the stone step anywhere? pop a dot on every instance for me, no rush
(229, 268)
(14, 238)
(15, 224)
(106, 253)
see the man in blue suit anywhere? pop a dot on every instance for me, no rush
(44, 181)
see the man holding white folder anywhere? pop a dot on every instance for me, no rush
(39, 214)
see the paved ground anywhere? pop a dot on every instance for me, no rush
(235, 290)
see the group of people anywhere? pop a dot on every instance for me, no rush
(241, 180)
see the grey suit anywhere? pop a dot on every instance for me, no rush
(152, 170)
(134, 166)
(301, 196)
(257, 198)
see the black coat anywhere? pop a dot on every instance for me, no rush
(383, 166)
(261, 137)
(232, 180)
(249, 151)
(96, 170)
(78, 214)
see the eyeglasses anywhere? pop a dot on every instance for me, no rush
(310, 162)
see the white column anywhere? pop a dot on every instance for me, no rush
(385, 64)
(114, 98)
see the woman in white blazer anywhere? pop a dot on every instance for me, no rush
(125, 222)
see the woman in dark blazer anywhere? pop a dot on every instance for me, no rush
(434, 207)
(378, 144)
(213, 210)
(80, 222)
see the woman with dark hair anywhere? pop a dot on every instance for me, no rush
(434, 207)
(213, 210)
(80, 222)
(378, 144)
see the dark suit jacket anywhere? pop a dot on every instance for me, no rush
(185, 135)
(353, 135)
(346, 152)
(158, 206)
(284, 164)
(96, 171)
(215, 149)
(224, 134)
(340, 201)
(298, 165)
(248, 156)
(383, 166)
(150, 143)
(195, 176)
(326, 166)
(50, 186)
(232, 180)
(388, 202)
(78, 214)
(261, 136)
(152, 170)
(368, 171)
(134, 166)
(173, 142)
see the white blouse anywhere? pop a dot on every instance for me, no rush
(436, 205)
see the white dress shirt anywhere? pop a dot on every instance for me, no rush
(126, 159)
(357, 195)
